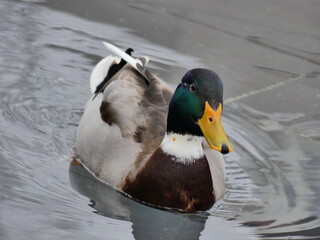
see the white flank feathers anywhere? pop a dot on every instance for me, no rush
(184, 148)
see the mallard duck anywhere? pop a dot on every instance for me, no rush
(159, 147)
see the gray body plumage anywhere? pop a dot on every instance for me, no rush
(137, 115)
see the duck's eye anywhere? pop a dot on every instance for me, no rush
(192, 88)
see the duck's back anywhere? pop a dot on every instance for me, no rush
(122, 125)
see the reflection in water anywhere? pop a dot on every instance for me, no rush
(147, 223)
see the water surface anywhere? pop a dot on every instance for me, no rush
(267, 54)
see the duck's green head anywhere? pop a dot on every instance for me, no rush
(196, 108)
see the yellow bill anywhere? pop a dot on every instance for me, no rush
(211, 127)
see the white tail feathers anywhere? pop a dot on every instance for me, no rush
(100, 71)
(133, 62)
(137, 64)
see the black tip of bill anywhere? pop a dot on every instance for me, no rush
(224, 149)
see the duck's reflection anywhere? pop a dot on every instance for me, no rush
(147, 223)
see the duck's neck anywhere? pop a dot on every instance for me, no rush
(183, 148)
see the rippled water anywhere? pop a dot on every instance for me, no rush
(268, 57)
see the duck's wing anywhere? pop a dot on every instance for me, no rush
(123, 123)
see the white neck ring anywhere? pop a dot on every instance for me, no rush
(184, 148)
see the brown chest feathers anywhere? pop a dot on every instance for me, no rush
(167, 183)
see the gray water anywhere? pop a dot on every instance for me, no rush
(267, 54)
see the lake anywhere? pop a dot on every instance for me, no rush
(267, 54)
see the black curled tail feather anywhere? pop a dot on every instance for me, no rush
(112, 71)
